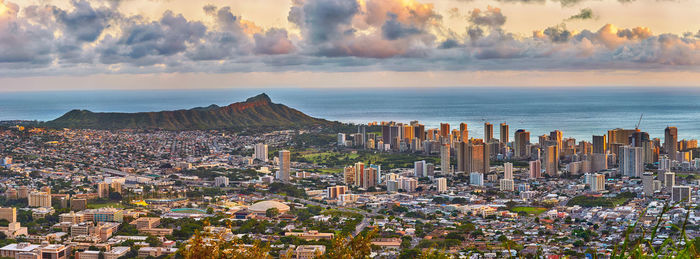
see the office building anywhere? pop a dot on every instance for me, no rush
(473, 157)
(392, 186)
(39, 199)
(599, 162)
(681, 194)
(284, 166)
(476, 178)
(619, 137)
(521, 145)
(597, 182)
(349, 175)
(78, 204)
(9, 214)
(441, 184)
(631, 161)
(557, 136)
(261, 149)
(359, 173)
(408, 184)
(671, 142)
(221, 181)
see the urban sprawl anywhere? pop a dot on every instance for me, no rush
(379, 190)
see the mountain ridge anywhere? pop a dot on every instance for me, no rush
(256, 111)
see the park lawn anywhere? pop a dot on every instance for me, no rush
(102, 205)
(530, 210)
(325, 170)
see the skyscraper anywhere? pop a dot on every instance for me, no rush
(522, 141)
(464, 132)
(597, 182)
(419, 132)
(476, 178)
(506, 185)
(648, 184)
(535, 169)
(680, 194)
(341, 142)
(488, 132)
(504, 133)
(284, 164)
(441, 184)
(631, 161)
(419, 169)
(369, 178)
(349, 175)
(508, 171)
(444, 130)
(669, 180)
(475, 157)
(261, 148)
(671, 142)
(557, 137)
(359, 173)
(445, 158)
(599, 144)
(551, 161)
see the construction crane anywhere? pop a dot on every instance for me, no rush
(639, 122)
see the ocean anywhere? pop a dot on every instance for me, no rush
(577, 112)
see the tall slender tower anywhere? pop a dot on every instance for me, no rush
(445, 158)
(522, 140)
(285, 164)
(504, 133)
(464, 131)
(488, 132)
(671, 142)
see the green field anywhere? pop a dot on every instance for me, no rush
(529, 210)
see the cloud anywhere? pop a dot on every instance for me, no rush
(491, 17)
(584, 14)
(330, 35)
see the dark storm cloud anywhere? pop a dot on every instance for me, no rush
(393, 29)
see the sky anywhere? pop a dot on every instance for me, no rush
(186, 44)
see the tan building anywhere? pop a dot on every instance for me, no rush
(9, 214)
(78, 204)
(103, 190)
(40, 199)
(309, 251)
(55, 252)
(12, 250)
(114, 253)
(72, 217)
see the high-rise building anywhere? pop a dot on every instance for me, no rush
(441, 184)
(508, 171)
(285, 166)
(680, 194)
(419, 169)
(475, 157)
(359, 173)
(408, 184)
(669, 180)
(648, 184)
(464, 132)
(551, 161)
(476, 178)
(444, 130)
(9, 214)
(599, 162)
(369, 178)
(535, 169)
(349, 175)
(488, 132)
(445, 158)
(671, 142)
(103, 189)
(620, 137)
(631, 161)
(504, 133)
(522, 141)
(597, 182)
(392, 186)
(419, 132)
(39, 199)
(261, 149)
(335, 191)
(341, 143)
(506, 185)
(221, 181)
(557, 137)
